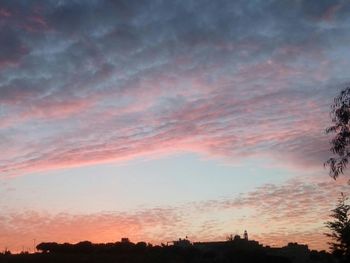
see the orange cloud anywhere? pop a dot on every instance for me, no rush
(272, 214)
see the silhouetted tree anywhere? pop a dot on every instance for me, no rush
(229, 237)
(340, 228)
(47, 247)
(237, 250)
(340, 144)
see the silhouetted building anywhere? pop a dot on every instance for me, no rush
(245, 235)
(237, 237)
(234, 250)
(182, 243)
(125, 240)
(297, 253)
(237, 242)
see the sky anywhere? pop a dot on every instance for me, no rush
(156, 120)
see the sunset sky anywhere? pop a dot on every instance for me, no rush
(156, 120)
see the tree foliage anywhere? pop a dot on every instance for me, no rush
(340, 144)
(340, 228)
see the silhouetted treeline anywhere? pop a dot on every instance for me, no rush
(128, 252)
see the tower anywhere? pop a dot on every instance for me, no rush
(245, 235)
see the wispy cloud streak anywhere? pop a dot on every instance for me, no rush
(273, 214)
(103, 81)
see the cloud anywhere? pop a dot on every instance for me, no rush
(12, 48)
(103, 81)
(85, 83)
(19, 229)
(273, 214)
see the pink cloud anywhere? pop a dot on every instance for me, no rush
(213, 109)
(88, 89)
(193, 127)
(5, 13)
(330, 12)
(19, 229)
(298, 210)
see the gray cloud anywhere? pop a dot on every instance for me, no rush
(220, 78)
